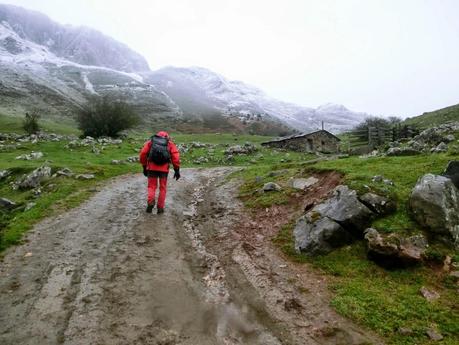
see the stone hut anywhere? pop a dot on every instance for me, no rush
(318, 141)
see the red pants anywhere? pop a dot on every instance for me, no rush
(152, 185)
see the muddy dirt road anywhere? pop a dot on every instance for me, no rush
(108, 273)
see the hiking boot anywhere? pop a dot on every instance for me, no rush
(160, 210)
(150, 207)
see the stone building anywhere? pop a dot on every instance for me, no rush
(318, 141)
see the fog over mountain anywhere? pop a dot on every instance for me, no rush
(56, 68)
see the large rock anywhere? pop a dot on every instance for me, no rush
(452, 171)
(392, 251)
(319, 236)
(345, 208)
(434, 202)
(34, 179)
(442, 147)
(377, 203)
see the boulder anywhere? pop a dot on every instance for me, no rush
(442, 147)
(7, 204)
(402, 151)
(378, 204)
(271, 187)
(34, 179)
(319, 236)
(451, 171)
(391, 251)
(303, 183)
(434, 202)
(345, 208)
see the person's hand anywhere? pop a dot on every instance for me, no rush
(145, 172)
(176, 174)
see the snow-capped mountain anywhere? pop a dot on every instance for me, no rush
(198, 90)
(57, 68)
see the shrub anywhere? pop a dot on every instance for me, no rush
(106, 117)
(30, 123)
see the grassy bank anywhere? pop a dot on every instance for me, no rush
(384, 301)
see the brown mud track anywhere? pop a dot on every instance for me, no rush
(108, 273)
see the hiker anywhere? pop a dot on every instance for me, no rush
(155, 157)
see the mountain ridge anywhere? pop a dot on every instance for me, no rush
(58, 68)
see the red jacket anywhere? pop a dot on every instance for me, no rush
(175, 156)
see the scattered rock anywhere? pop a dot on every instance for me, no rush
(7, 204)
(429, 295)
(377, 178)
(31, 156)
(85, 176)
(434, 335)
(434, 203)
(388, 182)
(303, 183)
(201, 160)
(133, 159)
(29, 206)
(391, 251)
(116, 162)
(271, 187)
(319, 236)
(378, 204)
(245, 149)
(442, 147)
(65, 172)
(402, 151)
(34, 179)
(451, 171)
(405, 331)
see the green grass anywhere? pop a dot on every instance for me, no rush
(13, 124)
(403, 171)
(381, 300)
(434, 118)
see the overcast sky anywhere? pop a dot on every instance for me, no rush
(385, 57)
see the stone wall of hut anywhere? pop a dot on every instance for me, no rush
(314, 142)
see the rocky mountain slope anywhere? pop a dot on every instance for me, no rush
(199, 90)
(56, 68)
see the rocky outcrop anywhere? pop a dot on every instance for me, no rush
(245, 149)
(316, 237)
(394, 251)
(332, 224)
(345, 208)
(434, 203)
(35, 178)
